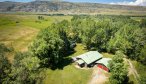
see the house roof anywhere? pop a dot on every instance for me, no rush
(80, 61)
(90, 57)
(104, 61)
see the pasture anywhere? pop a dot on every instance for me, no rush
(18, 31)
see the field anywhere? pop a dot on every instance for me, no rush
(18, 31)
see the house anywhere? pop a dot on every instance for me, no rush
(103, 64)
(88, 59)
(92, 58)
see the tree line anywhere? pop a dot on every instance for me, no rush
(111, 34)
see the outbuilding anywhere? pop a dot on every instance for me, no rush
(104, 64)
(88, 59)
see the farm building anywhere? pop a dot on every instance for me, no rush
(103, 64)
(92, 58)
(87, 59)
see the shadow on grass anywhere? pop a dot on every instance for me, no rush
(65, 61)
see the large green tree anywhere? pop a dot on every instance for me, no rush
(5, 66)
(47, 47)
(143, 55)
(25, 69)
(118, 69)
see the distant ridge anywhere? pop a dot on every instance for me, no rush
(69, 8)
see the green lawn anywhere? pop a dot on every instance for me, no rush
(79, 49)
(107, 55)
(69, 74)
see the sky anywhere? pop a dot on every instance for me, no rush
(119, 2)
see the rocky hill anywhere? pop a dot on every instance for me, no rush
(69, 8)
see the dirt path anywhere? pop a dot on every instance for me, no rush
(98, 76)
(132, 70)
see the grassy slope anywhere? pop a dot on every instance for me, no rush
(69, 74)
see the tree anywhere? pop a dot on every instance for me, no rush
(143, 55)
(5, 66)
(25, 69)
(118, 69)
(138, 41)
(47, 47)
(143, 23)
(40, 18)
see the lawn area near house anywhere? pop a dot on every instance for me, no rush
(107, 55)
(69, 74)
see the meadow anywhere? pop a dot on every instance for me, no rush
(18, 31)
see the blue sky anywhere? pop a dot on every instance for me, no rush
(119, 2)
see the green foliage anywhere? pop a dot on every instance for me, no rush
(40, 17)
(51, 46)
(143, 55)
(118, 70)
(25, 69)
(47, 48)
(141, 71)
(143, 23)
(110, 34)
(4, 64)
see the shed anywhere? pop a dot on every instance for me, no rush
(81, 63)
(90, 57)
(103, 64)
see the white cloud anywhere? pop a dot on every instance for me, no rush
(137, 2)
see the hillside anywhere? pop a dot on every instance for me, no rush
(70, 8)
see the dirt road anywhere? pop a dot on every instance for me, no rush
(132, 69)
(98, 76)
